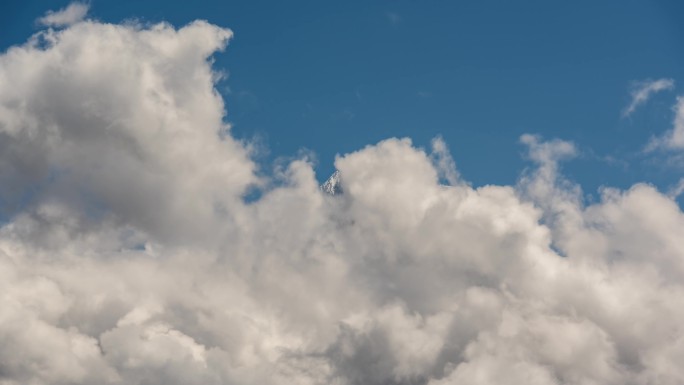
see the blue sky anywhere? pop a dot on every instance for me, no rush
(332, 77)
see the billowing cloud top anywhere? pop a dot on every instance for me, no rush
(128, 255)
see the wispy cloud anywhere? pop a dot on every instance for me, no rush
(676, 190)
(674, 138)
(643, 90)
(394, 17)
(73, 13)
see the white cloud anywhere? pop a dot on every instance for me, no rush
(73, 13)
(128, 256)
(643, 90)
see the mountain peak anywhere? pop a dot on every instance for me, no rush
(333, 185)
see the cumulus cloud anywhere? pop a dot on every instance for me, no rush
(642, 91)
(129, 256)
(73, 13)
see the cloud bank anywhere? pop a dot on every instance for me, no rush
(129, 256)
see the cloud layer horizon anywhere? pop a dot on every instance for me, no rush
(129, 255)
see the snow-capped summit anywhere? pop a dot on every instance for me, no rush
(333, 185)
